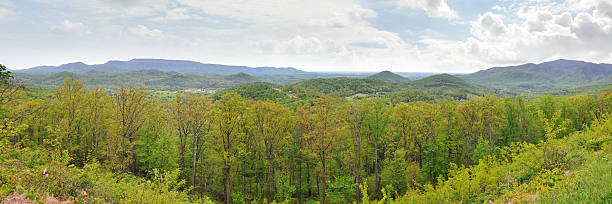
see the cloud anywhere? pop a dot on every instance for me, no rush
(535, 34)
(176, 14)
(141, 30)
(5, 13)
(109, 9)
(433, 8)
(604, 8)
(69, 27)
(488, 26)
(5, 3)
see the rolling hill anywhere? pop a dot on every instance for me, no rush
(348, 86)
(553, 75)
(153, 79)
(449, 86)
(389, 76)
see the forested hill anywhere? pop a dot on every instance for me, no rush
(443, 86)
(346, 86)
(553, 75)
(180, 66)
(152, 79)
(389, 76)
(449, 85)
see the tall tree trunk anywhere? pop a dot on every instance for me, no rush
(227, 172)
(132, 159)
(124, 155)
(376, 165)
(95, 135)
(490, 137)
(193, 167)
(308, 184)
(292, 169)
(182, 136)
(244, 184)
(204, 178)
(358, 190)
(324, 184)
(299, 177)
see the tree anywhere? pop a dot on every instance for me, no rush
(131, 107)
(303, 126)
(355, 118)
(70, 96)
(98, 105)
(8, 91)
(155, 146)
(192, 116)
(271, 130)
(229, 112)
(377, 120)
(481, 117)
(326, 125)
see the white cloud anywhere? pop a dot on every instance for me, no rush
(540, 33)
(499, 8)
(110, 9)
(323, 34)
(488, 26)
(6, 3)
(176, 14)
(604, 8)
(143, 31)
(5, 13)
(433, 8)
(74, 28)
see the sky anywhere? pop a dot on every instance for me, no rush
(313, 35)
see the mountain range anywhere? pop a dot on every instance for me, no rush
(179, 66)
(547, 76)
(553, 75)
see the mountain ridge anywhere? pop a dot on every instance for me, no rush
(180, 66)
(552, 75)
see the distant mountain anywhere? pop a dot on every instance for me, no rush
(179, 66)
(554, 75)
(389, 76)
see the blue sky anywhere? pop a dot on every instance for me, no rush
(314, 35)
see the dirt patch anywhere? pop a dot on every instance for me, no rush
(15, 198)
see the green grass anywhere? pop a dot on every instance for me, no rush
(589, 184)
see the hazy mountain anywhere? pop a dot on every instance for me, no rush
(180, 66)
(389, 76)
(554, 75)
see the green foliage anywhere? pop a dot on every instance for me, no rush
(153, 79)
(448, 86)
(291, 144)
(348, 86)
(257, 92)
(5, 75)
